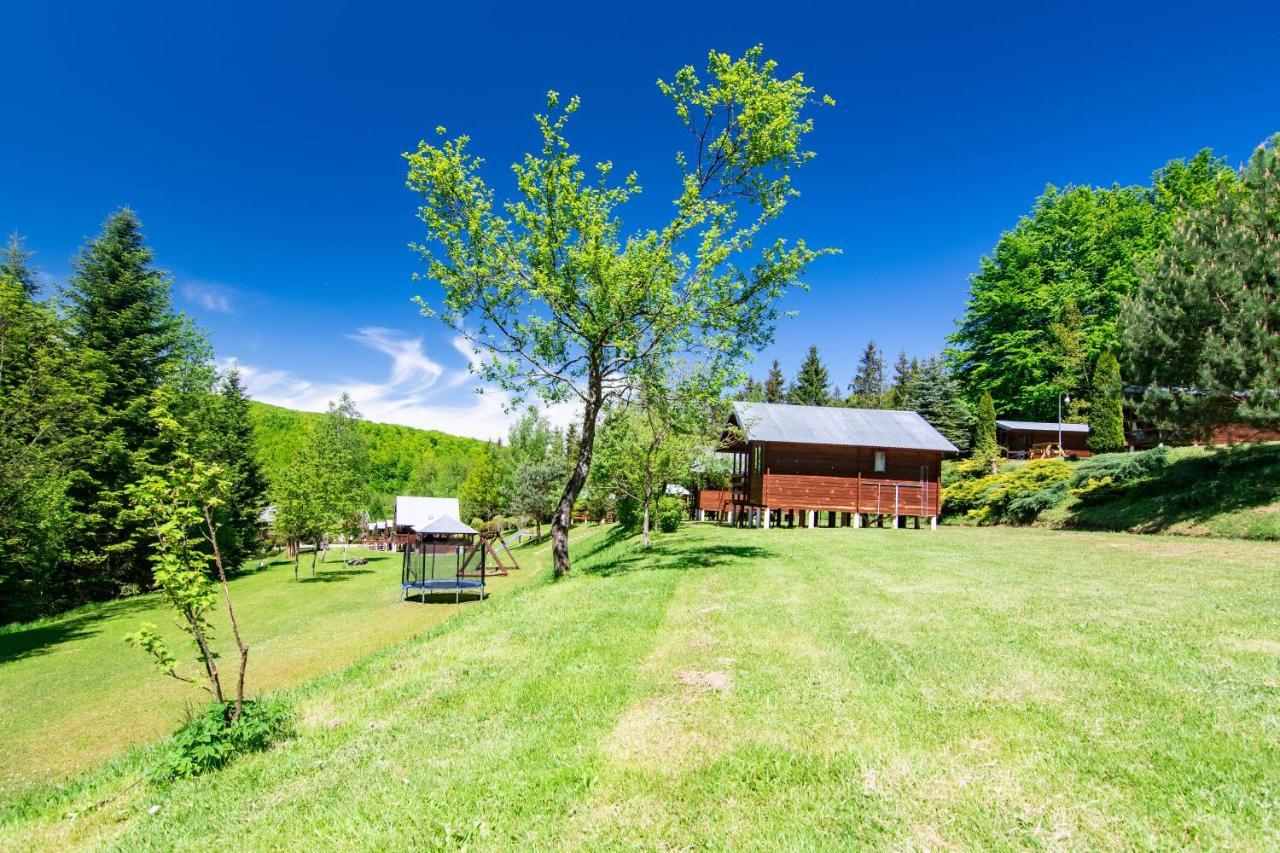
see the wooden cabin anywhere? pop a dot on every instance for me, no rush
(1038, 439)
(832, 466)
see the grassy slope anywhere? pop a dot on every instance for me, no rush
(980, 687)
(394, 450)
(1222, 492)
(75, 695)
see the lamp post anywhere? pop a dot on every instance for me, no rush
(1061, 396)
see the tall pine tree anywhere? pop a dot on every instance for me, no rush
(775, 385)
(233, 445)
(812, 384)
(15, 264)
(931, 390)
(867, 386)
(119, 310)
(1203, 331)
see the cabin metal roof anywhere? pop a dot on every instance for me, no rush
(836, 425)
(1041, 426)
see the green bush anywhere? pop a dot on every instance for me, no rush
(1119, 467)
(629, 513)
(208, 741)
(671, 511)
(1007, 495)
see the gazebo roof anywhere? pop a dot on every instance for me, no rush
(444, 526)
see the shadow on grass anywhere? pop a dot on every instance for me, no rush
(329, 576)
(665, 553)
(444, 598)
(43, 636)
(1187, 490)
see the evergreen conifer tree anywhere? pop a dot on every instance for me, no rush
(233, 445)
(119, 310)
(900, 392)
(867, 386)
(1106, 406)
(775, 386)
(931, 389)
(15, 264)
(984, 444)
(812, 383)
(1203, 331)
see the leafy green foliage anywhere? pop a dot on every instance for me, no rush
(1106, 406)
(565, 305)
(812, 385)
(401, 460)
(629, 513)
(671, 513)
(1118, 467)
(480, 495)
(211, 739)
(1045, 303)
(1203, 330)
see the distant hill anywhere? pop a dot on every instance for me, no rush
(394, 451)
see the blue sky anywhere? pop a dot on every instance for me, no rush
(261, 147)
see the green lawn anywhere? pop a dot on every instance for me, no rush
(976, 687)
(74, 694)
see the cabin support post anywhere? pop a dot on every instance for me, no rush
(702, 515)
(857, 520)
(767, 513)
(933, 522)
(810, 513)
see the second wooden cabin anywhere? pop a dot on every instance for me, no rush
(829, 466)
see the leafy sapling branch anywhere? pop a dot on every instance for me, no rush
(560, 303)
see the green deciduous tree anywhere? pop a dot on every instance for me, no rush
(564, 304)
(1106, 406)
(177, 505)
(812, 385)
(1203, 330)
(1081, 247)
(480, 495)
(536, 488)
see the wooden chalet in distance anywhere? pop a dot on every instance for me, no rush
(1031, 439)
(813, 464)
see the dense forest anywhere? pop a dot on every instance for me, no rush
(399, 457)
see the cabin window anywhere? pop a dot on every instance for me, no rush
(879, 462)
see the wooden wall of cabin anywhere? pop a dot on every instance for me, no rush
(807, 476)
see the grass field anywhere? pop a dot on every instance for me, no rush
(976, 687)
(74, 694)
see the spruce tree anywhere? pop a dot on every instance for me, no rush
(931, 389)
(118, 308)
(900, 392)
(867, 385)
(984, 444)
(775, 386)
(14, 264)
(1106, 406)
(1202, 333)
(812, 383)
(233, 445)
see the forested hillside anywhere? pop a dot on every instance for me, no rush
(394, 452)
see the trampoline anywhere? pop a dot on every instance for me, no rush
(427, 569)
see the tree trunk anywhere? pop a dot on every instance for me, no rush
(648, 497)
(314, 552)
(577, 479)
(537, 524)
(231, 614)
(297, 555)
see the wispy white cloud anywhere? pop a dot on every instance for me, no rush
(418, 391)
(208, 295)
